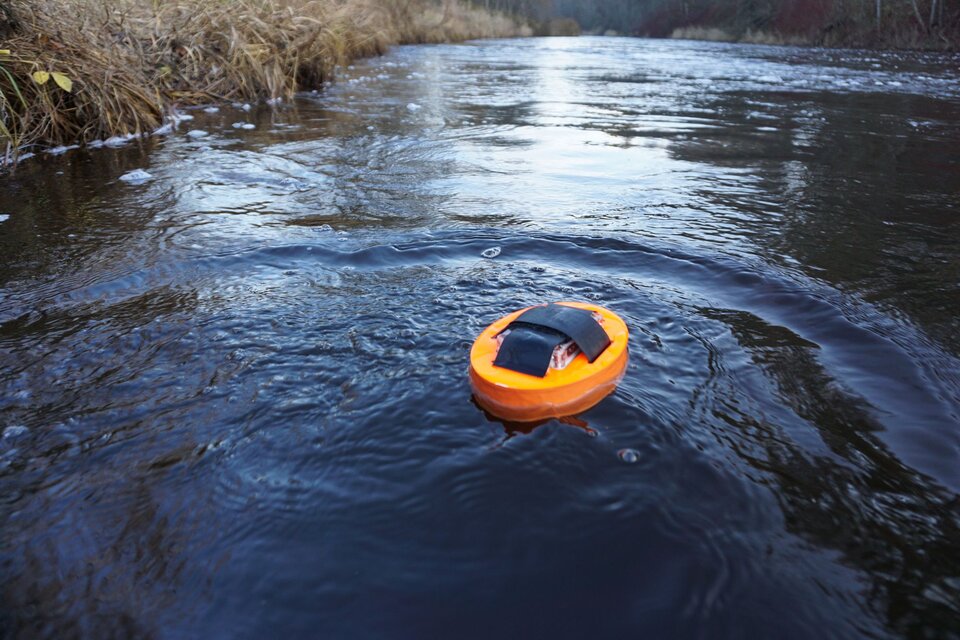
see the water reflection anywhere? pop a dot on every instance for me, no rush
(513, 429)
(859, 499)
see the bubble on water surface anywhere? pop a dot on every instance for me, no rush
(630, 456)
(197, 133)
(492, 252)
(4, 217)
(212, 110)
(414, 107)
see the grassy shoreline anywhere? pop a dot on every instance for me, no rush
(76, 71)
(905, 40)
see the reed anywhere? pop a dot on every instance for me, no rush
(81, 70)
(712, 34)
(64, 79)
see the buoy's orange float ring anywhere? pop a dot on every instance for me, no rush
(519, 396)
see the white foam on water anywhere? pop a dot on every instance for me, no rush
(118, 141)
(137, 176)
(59, 151)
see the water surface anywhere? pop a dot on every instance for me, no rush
(234, 401)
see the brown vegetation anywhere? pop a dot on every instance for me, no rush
(558, 27)
(702, 33)
(749, 36)
(80, 70)
(911, 24)
(926, 24)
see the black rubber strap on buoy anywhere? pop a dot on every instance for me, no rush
(535, 333)
(528, 349)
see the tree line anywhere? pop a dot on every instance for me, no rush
(903, 23)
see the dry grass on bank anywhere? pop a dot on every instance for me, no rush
(80, 70)
(897, 35)
(702, 33)
(749, 36)
(559, 27)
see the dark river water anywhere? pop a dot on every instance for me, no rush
(234, 398)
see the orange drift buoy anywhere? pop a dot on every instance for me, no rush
(548, 361)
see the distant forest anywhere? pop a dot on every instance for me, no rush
(894, 23)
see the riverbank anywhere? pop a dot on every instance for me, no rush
(915, 24)
(872, 24)
(903, 39)
(76, 71)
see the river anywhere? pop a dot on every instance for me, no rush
(233, 395)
